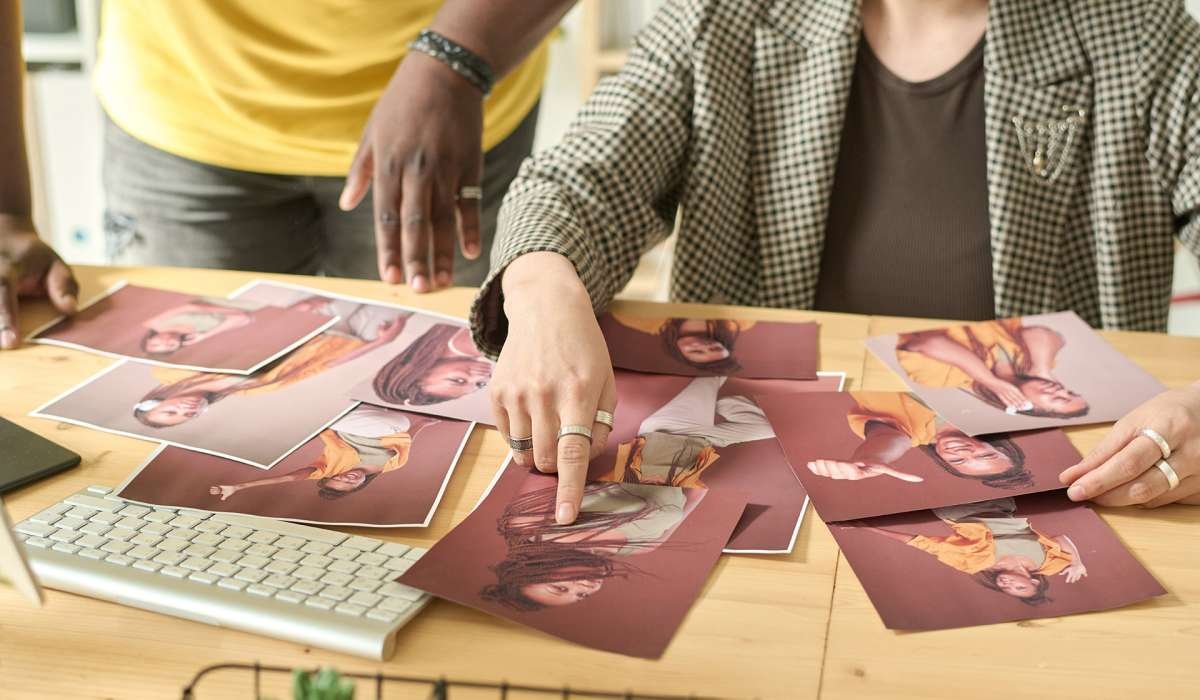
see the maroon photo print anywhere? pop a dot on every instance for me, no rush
(995, 561)
(621, 578)
(184, 330)
(374, 467)
(866, 453)
(698, 347)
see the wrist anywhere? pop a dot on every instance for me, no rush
(542, 276)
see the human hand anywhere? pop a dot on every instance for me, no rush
(421, 146)
(388, 330)
(856, 471)
(1074, 572)
(1121, 470)
(1014, 401)
(29, 268)
(223, 491)
(554, 371)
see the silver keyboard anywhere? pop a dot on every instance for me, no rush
(304, 584)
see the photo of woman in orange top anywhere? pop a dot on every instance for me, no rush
(892, 423)
(1004, 364)
(1001, 551)
(183, 395)
(441, 365)
(551, 565)
(357, 449)
(704, 344)
(193, 322)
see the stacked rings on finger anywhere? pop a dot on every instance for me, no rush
(470, 192)
(1169, 472)
(605, 418)
(520, 444)
(583, 430)
(1163, 446)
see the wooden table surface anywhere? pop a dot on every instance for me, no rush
(793, 626)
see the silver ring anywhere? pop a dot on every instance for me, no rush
(1157, 439)
(1169, 472)
(583, 430)
(520, 444)
(605, 418)
(470, 192)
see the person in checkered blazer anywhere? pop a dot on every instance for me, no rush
(727, 125)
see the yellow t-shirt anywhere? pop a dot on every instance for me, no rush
(986, 339)
(339, 457)
(278, 86)
(901, 411)
(972, 548)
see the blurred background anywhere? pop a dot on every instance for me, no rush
(64, 126)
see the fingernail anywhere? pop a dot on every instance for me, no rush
(419, 284)
(344, 201)
(8, 339)
(565, 514)
(443, 279)
(70, 302)
(1075, 493)
(471, 250)
(392, 275)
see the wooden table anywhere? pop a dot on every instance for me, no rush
(794, 626)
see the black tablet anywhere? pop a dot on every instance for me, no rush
(26, 456)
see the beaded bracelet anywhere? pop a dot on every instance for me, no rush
(457, 57)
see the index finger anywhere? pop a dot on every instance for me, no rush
(574, 452)
(386, 203)
(1126, 465)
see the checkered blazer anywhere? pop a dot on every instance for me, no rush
(730, 112)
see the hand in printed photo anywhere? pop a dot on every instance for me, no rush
(703, 344)
(1001, 551)
(891, 424)
(441, 365)
(552, 565)
(1005, 364)
(194, 322)
(679, 441)
(368, 442)
(182, 396)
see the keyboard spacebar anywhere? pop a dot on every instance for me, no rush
(279, 526)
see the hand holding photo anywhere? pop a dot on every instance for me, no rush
(867, 453)
(373, 467)
(181, 330)
(621, 578)
(698, 347)
(1017, 374)
(994, 561)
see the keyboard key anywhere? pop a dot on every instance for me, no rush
(94, 528)
(236, 532)
(119, 559)
(396, 605)
(173, 571)
(92, 502)
(116, 547)
(397, 564)
(106, 518)
(89, 553)
(290, 597)
(99, 490)
(46, 517)
(365, 599)
(169, 558)
(207, 539)
(279, 581)
(223, 569)
(335, 593)
(131, 523)
(261, 550)
(291, 556)
(316, 548)
(199, 550)
(316, 560)
(231, 584)
(225, 555)
(210, 527)
(308, 573)
(196, 563)
(173, 545)
(147, 540)
(193, 513)
(203, 577)
(259, 589)
(147, 565)
(399, 590)
(319, 603)
(363, 584)
(350, 609)
(159, 516)
(255, 562)
(344, 566)
(364, 544)
(289, 542)
(382, 615)
(80, 512)
(70, 523)
(372, 572)
(143, 552)
(405, 564)
(66, 536)
(132, 511)
(250, 575)
(413, 554)
(157, 529)
(65, 548)
(186, 522)
(263, 537)
(392, 549)
(307, 587)
(342, 553)
(370, 559)
(123, 534)
(280, 567)
(234, 544)
(36, 529)
(182, 533)
(336, 579)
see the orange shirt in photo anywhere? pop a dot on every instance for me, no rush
(972, 549)
(901, 411)
(340, 457)
(987, 340)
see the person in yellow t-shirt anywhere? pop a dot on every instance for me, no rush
(357, 449)
(891, 423)
(1002, 551)
(1005, 364)
(705, 344)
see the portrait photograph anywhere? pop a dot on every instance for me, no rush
(620, 578)
(999, 560)
(1043, 371)
(866, 453)
(711, 347)
(373, 467)
(200, 333)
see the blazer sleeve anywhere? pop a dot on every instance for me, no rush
(609, 191)
(1169, 86)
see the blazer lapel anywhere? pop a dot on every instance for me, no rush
(1038, 102)
(804, 54)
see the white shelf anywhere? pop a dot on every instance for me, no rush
(65, 47)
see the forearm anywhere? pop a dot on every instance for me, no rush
(883, 445)
(1043, 345)
(15, 197)
(939, 347)
(502, 32)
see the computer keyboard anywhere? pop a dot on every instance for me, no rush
(304, 584)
